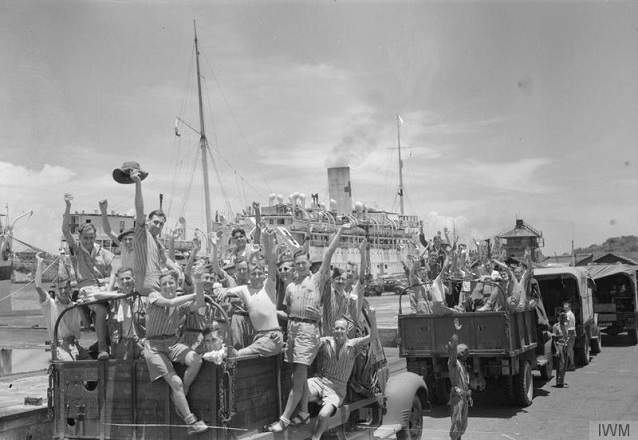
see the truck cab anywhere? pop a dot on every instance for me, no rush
(116, 399)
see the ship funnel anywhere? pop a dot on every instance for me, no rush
(280, 199)
(302, 200)
(271, 199)
(340, 189)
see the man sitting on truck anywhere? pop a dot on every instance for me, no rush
(336, 358)
(68, 347)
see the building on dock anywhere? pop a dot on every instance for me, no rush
(119, 223)
(523, 236)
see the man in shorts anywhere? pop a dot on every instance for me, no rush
(303, 303)
(93, 266)
(161, 348)
(337, 356)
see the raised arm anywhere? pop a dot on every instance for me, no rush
(66, 221)
(197, 245)
(363, 247)
(174, 302)
(106, 226)
(332, 247)
(139, 199)
(38, 278)
(257, 237)
(214, 261)
(422, 239)
(530, 268)
(505, 267)
(453, 345)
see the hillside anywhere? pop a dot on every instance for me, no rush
(619, 245)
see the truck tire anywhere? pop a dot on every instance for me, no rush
(414, 428)
(524, 385)
(633, 336)
(581, 354)
(508, 389)
(442, 390)
(547, 370)
(596, 346)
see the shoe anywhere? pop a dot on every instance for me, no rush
(298, 420)
(196, 428)
(485, 308)
(103, 356)
(278, 426)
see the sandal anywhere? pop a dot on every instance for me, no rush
(298, 420)
(278, 426)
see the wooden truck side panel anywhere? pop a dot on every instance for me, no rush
(485, 333)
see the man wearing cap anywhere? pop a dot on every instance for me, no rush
(150, 253)
(124, 241)
(460, 393)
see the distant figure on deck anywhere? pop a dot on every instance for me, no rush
(460, 393)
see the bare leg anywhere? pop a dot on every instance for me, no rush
(100, 326)
(322, 421)
(299, 382)
(193, 364)
(177, 394)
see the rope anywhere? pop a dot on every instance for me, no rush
(173, 426)
(27, 284)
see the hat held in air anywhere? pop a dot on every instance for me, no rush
(123, 174)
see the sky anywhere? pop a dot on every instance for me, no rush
(511, 109)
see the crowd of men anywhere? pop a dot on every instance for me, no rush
(143, 304)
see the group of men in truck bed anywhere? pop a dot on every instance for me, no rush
(144, 304)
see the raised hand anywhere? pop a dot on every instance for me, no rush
(135, 176)
(103, 204)
(457, 324)
(39, 257)
(197, 244)
(68, 198)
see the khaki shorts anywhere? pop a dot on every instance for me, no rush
(160, 353)
(265, 344)
(303, 342)
(320, 391)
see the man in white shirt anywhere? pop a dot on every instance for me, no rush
(571, 335)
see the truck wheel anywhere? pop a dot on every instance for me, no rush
(414, 427)
(633, 336)
(442, 390)
(508, 389)
(524, 385)
(581, 354)
(596, 346)
(547, 370)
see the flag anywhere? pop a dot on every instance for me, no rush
(399, 120)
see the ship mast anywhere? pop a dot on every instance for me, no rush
(399, 121)
(203, 142)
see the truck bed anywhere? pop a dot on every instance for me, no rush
(485, 333)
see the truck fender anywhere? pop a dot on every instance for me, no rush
(400, 391)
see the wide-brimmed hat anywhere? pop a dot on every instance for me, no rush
(123, 174)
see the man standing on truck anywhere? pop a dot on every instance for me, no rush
(571, 335)
(460, 394)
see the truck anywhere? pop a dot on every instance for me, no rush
(115, 399)
(504, 348)
(615, 298)
(574, 285)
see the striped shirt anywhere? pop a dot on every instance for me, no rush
(335, 367)
(335, 306)
(200, 319)
(301, 294)
(90, 266)
(163, 321)
(150, 258)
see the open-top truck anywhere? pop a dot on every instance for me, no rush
(116, 400)
(504, 348)
(615, 298)
(574, 285)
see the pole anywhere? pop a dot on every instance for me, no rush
(203, 143)
(400, 165)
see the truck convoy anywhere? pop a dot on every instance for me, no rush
(504, 346)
